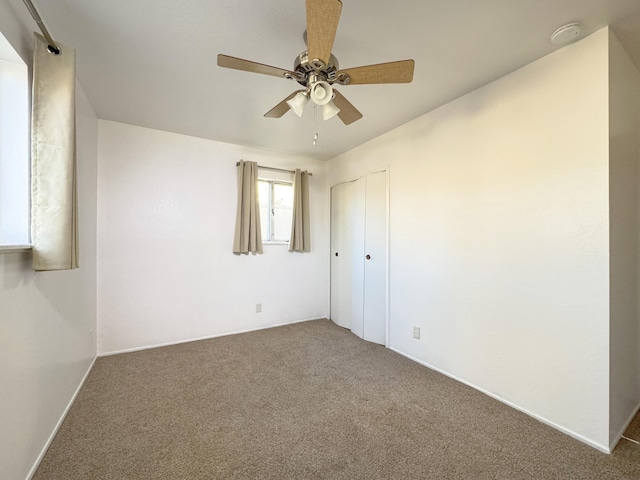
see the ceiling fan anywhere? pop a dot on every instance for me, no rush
(317, 70)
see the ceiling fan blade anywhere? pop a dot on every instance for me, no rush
(254, 67)
(280, 109)
(322, 23)
(392, 72)
(348, 113)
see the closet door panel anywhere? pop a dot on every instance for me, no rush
(347, 252)
(352, 244)
(337, 316)
(375, 263)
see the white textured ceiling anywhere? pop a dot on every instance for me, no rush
(153, 62)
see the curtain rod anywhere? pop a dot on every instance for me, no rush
(52, 47)
(277, 169)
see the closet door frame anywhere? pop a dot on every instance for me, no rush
(386, 169)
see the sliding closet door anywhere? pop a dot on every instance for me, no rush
(347, 254)
(375, 264)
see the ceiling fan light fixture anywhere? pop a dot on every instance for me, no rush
(329, 111)
(298, 103)
(321, 93)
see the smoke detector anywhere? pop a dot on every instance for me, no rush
(566, 34)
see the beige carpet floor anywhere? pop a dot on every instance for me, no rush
(308, 401)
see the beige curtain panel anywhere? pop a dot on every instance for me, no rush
(54, 217)
(248, 236)
(300, 226)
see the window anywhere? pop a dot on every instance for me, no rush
(276, 205)
(14, 147)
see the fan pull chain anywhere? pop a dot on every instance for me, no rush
(315, 122)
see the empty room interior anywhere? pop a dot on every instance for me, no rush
(413, 255)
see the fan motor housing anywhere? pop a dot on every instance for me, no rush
(304, 67)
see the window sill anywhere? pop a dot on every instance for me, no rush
(275, 243)
(14, 248)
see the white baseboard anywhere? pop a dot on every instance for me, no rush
(617, 437)
(59, 424)
(208, 337)
(571, 433)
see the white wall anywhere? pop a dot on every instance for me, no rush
(166, 216)
(499, 237)
(47, 327)
(624, 154)
(47, 319)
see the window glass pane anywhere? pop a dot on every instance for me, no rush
(282, 207)
(14, 147)
(265, 217)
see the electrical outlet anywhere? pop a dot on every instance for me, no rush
(416, 332)
(258, 307)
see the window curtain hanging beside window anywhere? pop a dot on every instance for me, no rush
(300, 225)
(54, 217)
(248, 236)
